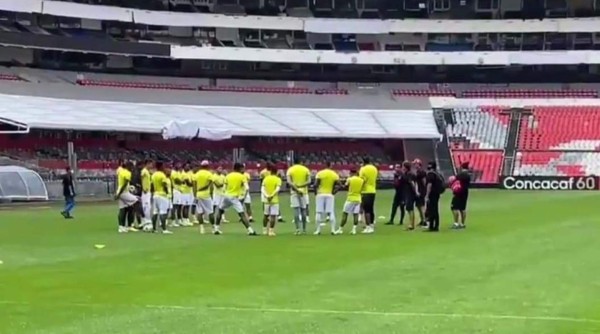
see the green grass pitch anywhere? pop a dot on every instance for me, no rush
(528, 263)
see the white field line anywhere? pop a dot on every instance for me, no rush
(324, 311)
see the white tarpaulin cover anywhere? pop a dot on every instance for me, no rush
(55, 113)
(191, 130)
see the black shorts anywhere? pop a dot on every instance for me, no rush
(368, 203)
(459, 203)
(420, 201)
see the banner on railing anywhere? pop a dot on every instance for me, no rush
(550, 182)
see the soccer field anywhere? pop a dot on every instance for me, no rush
(528, 263)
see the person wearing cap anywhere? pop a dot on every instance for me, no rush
(433, 191)
(461, 197)
(203, 180)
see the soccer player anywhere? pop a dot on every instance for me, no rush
(354, 184)
(271, 186)
(146, 195)
(203, 181)
(420, 179)
(369, 173)
(460, 198)
(326, 182)
(298, 178)
(248, 198)
(218, 189)
(187, 194)
(125, 198)
(177, 184)
(69, 193)
(135, 187)
(410, 193)
(236, 187)
(434, 189)
(264, 173)
(160, 190)
(398, 201)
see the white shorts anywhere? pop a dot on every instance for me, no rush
(204, 206)
(187, 199)
(217, 199)
(127, 199)
(228, 202)
(352, 208)
(248, 199)
(161, 205)
(299, 200)
(325, 203)
(271, 209)
(146, 200)
(177, 197)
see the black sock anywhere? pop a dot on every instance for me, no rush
(122, 217)
(402, 214)
(154, 222)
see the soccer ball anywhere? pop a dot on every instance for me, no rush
(147, 228)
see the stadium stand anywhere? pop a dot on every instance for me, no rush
(561, 128)
(249, 67)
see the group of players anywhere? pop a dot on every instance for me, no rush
(159, 195)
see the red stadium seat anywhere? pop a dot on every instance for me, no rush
(561, 128)
(135, 84)
(529, 93)
(268, 90)
(485, 164)
(423, 92)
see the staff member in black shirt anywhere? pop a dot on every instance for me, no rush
(434, 189)
(68, 193)
(410, 193)
(461, 197)
(420, 175)
(398, 202)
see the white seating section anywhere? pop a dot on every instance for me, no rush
(557, 163)
(479, 127)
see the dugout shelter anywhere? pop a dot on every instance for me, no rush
(21, 184)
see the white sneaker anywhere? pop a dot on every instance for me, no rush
(167, 232)
(123, 229)
(308, 220)
(339, 231)
(317, 232)
(353, 232)
(322, 224)
(368, 230)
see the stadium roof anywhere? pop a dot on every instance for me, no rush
(56, 113)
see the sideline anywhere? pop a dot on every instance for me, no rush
(322, 311)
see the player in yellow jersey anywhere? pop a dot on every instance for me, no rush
(326, 182)
(187, 194)
(146, 196)
(264, 173)
(369, 173)
(160, 190)
(354, 185)
(218, 189)
(203, 181)
(125, 197)
(298, 179)
(248, 198)
(236, 187)
(271, 185)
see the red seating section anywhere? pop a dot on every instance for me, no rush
(423, 92)
(551, 127)
(530, 93)
(269, 90)
(10, 77)
(331, 91)
(136, 84)
(486, 164)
